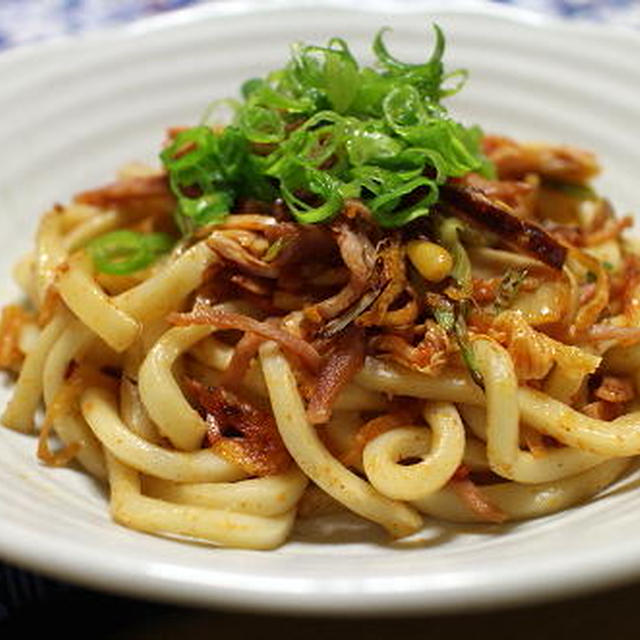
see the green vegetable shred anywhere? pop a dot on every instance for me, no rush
(323, 129)
(123, 252)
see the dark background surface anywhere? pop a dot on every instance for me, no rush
(614, 613)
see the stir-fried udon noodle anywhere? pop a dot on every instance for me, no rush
(476, 364)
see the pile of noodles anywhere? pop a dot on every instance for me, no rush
(264, 370)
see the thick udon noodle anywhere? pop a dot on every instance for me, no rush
(110, 370)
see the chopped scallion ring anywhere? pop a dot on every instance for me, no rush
(123, 252)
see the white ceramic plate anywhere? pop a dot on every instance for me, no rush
(74, 111)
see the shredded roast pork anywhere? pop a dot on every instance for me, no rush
(474, 498)
(341, 364)
(526, 236)
(514, 160)
(358, 254)
(148, 195)
(203, 313)
(241, 432)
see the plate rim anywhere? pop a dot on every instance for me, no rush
(162, 584)
(608, 569)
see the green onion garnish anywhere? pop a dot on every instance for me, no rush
(323, 129)
(451, 316)
(578, 191)
(509, 288)
(466, 350)
(449, 235)
(123, 252)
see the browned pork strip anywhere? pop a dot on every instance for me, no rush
(514, 160)
(243, 354)
(140, 195)
(344, 361)
(240, 432)
(203, 313)
(525, 235)
(471, 495)
(233, 252)
(358, 254)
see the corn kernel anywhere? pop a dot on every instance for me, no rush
(432, 261)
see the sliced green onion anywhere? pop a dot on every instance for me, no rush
(274, 249)
(123, 252)
(449, 231)
(323, 129)
(444, 314)
(261, 125)
(509, 288)
(466, 351)
(574, 190)
(452, 318)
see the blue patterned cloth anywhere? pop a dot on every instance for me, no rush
(613, 11)
(31, 20)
